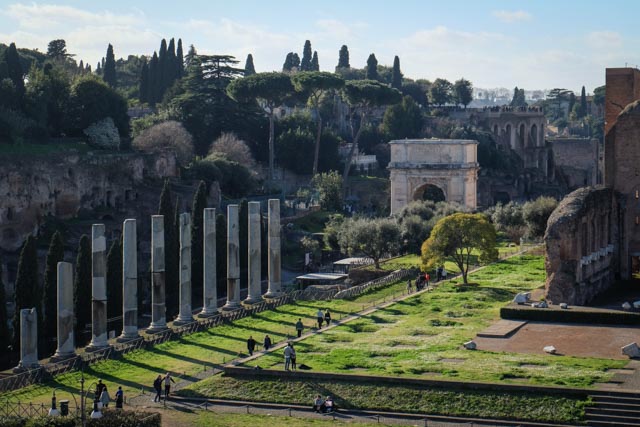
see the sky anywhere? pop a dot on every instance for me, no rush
(537, 44)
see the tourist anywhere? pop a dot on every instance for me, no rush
(409, 286)
(99, 387)
(299, 327)
(328, 404)
(287, 356)
(293, 358)
(444, 273)
(438, 273)
(104, 397)
(427, 278)
(320, 316)
(251, 345)
(327, 317)
(119, 398)
(318, 404)
(267, 342)
(157, 386)
(167, 385)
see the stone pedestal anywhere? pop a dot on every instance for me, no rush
(254, 290)
(129, 281)
(185, 315)
(209, 293)
(274, 249)
(233, 259)
(99, 335)
(66, 340)
(158, 308)
(28, 339)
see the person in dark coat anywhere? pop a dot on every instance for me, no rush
(251, 345)
(267, 342)
(157, 386)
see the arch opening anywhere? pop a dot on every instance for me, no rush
(430, 192)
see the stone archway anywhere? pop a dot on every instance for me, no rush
(429, 192)
(419, 165)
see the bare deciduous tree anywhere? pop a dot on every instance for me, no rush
(169, 135)
(234, 149)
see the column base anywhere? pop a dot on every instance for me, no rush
(22, 368)
(61, 357)
(155, 328)
(91, 348)
(251, 301)
(183, 321)
(230, 306)
(207, 313)
(129, 337)
(272, 294)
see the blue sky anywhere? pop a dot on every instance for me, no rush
(532, 44)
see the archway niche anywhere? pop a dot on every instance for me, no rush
(521, 136)
(430, 192)
(534, 135)
(508, 132)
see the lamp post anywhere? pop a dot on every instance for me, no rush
(83, 415)
(53, 412)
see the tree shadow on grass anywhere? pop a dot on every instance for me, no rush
(201, 345)
(231, 337)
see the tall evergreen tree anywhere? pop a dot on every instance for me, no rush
(343, 57)
(114, 281)
(221, 253)
(172, 64)
(197, 212)
(5, 338)
(153, 95)
(396, 76)
(243, 234)
(27, 289)
(143, 95)
(109, 72)
(81, 67)
(82, 289)
(179, 59)
(372, 67)
(305, 63)
(174, 307)
(167, 210)
(249, 69)
(315, 65)
(163, 69)
(583, 103)
(50, 300)
(14, 69)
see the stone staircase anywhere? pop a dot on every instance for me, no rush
(612, 408)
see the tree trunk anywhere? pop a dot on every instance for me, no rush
(347, 165)
(271, 144)
(317, 148)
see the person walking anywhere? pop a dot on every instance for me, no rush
(99, 387)
(299, 327)
(438, 273)
(320, 316)
(267, 342)
(251, 345)
(427, 278)
(327, 317)
(167, 385)
(287, 356)
(444, 273)
(119, 398)
(409, 286)
(104, 397)
(157, 386)
(293, 358)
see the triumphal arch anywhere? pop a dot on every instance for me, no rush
(436, 169)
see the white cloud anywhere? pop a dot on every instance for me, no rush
(511, 16)
(604, 40)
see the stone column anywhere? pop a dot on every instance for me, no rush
(66, 340)
(185, 315)
(158, 309)
(233, 259)
(274, 249)
(99, 335)
(209, 293)
(254, 290)
(129, 281)
(28, 339)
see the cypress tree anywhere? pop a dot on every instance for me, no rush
(14, 69)
(221, 253)
(197, 212)
(114, 280)
(143, 95)
(50, 312)
(175, 259)
(172, 72)
(372, 67)
(305, 64)
(109, 71)
(81, 67)
(396, 77)
(154, 80)
(288, 62)
(162, 69)
(583, 103)
(88, 69)
(5, 338)
(180, 59)
(315, 66)
(82, 289)
(343, 57)
(167, 210)
(249, 69)
(27, 292)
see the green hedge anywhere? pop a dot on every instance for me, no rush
(570, 315)
(111, 418)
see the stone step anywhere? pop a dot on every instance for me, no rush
(502, 328)
(626, 399)
(596, 420)
(622, 412)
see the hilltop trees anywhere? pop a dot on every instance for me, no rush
(403, 120)
(396, 76)
(463, 92)
(305, 63)
(109, 70)
(249, 69)
(343, 57)
(518, 99)
(164, 68)
(372, 67)
(272, 89)
(440, 93)
(314, 84)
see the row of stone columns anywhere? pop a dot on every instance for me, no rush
(99, 334)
